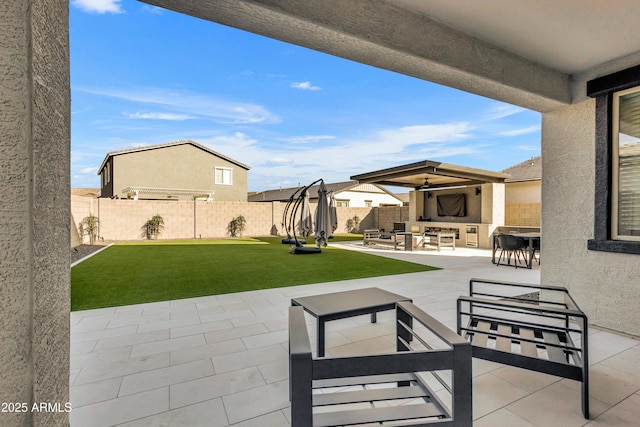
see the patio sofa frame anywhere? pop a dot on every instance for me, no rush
(376, 237)
(546, 334)
(349, 390)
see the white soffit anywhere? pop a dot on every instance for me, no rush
(571, 36)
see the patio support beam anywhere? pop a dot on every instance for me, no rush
(34, 210)
(405, 42)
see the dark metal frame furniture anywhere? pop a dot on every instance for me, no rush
(340, 305)
(548, 334)
(531, 238)
(351, 387)
(512, 245)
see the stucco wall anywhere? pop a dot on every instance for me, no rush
(181, 167)
(34, 208)
(473, 206)
(604, 284)
(523, 203)
(523, 192)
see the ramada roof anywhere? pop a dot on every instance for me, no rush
(529, 170)
(170, 144)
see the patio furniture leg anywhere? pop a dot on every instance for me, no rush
(320, 337)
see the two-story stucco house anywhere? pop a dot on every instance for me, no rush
(180, 170)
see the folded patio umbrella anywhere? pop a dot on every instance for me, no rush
(323, 217)
(333, 213)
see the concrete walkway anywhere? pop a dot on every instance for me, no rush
(222, 360)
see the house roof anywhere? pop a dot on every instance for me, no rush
(529, 170)
(91, 192)
(166, 145)
(428, 173)
(284, 194)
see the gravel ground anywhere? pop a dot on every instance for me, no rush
(82, 251)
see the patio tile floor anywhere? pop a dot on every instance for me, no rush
(222, 360)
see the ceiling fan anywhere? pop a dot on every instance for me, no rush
(425, 185)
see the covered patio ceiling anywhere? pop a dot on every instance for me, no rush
(431, 175)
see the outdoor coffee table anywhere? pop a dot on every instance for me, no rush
(340, 305)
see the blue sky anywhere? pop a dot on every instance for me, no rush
(142, 75)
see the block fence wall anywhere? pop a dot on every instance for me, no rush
(123, 219)
(524, 214)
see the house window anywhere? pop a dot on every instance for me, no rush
(625, 218)
(342, 203)
(105, 174)
(368, 203)
(617, 179)
(223, 176)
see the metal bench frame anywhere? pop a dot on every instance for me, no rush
(538, 335)
(376, 237)
(402, 371)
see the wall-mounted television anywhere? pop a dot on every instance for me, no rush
(452, 205)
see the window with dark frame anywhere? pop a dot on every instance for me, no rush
(626, 165)
(617, 191)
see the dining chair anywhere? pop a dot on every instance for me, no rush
(510, 245)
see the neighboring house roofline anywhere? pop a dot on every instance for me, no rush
(284, 194)
(169, 144)
(529, 170)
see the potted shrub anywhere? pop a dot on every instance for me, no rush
(237, 226)
(153, 227)
(90, 226)
(353, 224)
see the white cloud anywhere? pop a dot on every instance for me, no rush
(307, 139)
(521, 131)
(304, 86)
(279, 161)
(424, 134)
(193, 104)
(501, 111)
(336, 162)
(159, 116)
(98, 6)
(152, 9)
(89, 170)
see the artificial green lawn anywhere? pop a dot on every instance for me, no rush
(133, 273)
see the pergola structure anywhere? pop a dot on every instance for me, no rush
(167, 193)
(431, 175)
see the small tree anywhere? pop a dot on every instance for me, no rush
(153, 227)
(90, 226)
(237, 226)
(353, 224)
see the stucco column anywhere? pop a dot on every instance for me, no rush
(416, 205)
(34, 209)
(492, 210)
